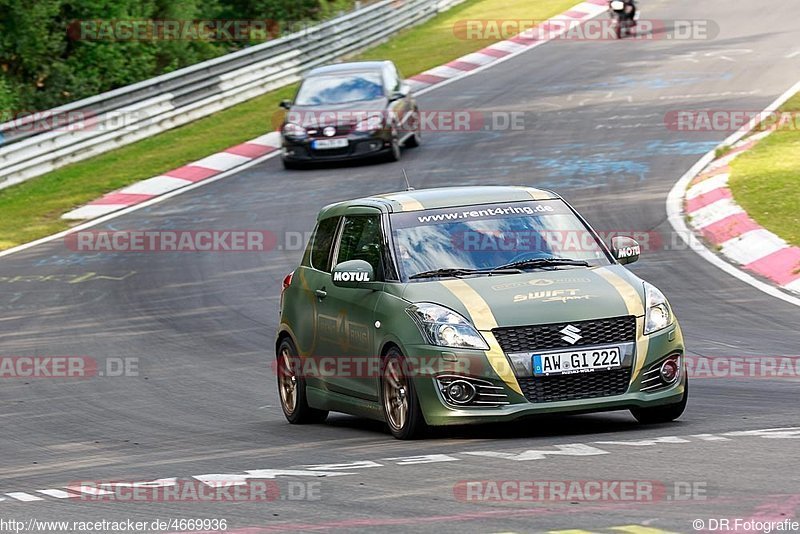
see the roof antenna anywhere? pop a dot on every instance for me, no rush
(408, 185)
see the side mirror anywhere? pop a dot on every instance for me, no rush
(625, 249)
(353, 273)
(403, 92)
(286, 104)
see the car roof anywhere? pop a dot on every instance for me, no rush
(353, 66)
(441, 197)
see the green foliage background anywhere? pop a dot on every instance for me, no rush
(41, 67)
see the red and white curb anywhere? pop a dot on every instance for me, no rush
(421, 83)
(181, 177)
(713, 212)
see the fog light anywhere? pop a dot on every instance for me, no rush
(670, 370)
(460, 392)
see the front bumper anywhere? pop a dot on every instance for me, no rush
(439, 412)
(359, 146)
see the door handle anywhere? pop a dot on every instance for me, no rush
(321, 293)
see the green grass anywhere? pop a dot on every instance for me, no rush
(766, 180)
(32, 209)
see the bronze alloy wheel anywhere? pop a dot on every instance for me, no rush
(292, 387)
(287, 381)
(395, 394)
(399, 398)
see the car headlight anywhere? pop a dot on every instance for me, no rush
(370, 124)
(657, 312)
(291, 129)
(445, 328)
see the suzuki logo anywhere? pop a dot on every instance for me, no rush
(571, 333)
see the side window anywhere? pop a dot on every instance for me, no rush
(322, 243)
(362, 240)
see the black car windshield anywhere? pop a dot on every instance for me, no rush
(340, 89)
(483, 237)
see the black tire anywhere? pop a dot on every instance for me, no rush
(297, 411)
(394, 151)
(415, 139)
(412, 425)
(662, 414)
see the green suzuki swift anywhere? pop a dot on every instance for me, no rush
(472, 304)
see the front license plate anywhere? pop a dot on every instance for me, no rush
(324, 144)
(577, 361)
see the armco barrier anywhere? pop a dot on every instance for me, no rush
(131, 113)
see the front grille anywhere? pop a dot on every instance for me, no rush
(549, 336)
(331, 152)
(575, 386)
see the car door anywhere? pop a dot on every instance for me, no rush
(313, 277)
(346, 316)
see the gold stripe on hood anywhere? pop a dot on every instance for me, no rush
(635, 307)
(484, 320)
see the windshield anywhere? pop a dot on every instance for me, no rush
(340, 89)
(492, 235)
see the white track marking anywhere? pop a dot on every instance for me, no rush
(706, 186)
(425, 459)
(221, 161)
(24, 497)
(674, 206)
(476, 58)
(57, 493)
(793, 286)
(89, 211)
(445, 71)
(752, 246)
(158, 185)
(571, 449)
(272, 139)
(715, 212)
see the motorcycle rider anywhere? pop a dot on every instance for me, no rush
(626, 16)
(629, 4)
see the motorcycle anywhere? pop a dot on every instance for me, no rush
(624, 12)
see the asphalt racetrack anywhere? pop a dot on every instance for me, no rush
(200, 326)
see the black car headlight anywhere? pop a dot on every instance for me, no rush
(445, 328)
(290, 129)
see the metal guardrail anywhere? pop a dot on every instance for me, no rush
(85, 128)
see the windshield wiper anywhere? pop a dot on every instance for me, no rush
(535, 263)
(461, 271)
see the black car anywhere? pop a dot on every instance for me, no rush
(349, 111)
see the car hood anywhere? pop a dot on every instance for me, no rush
(537, 297)
(335, 115)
